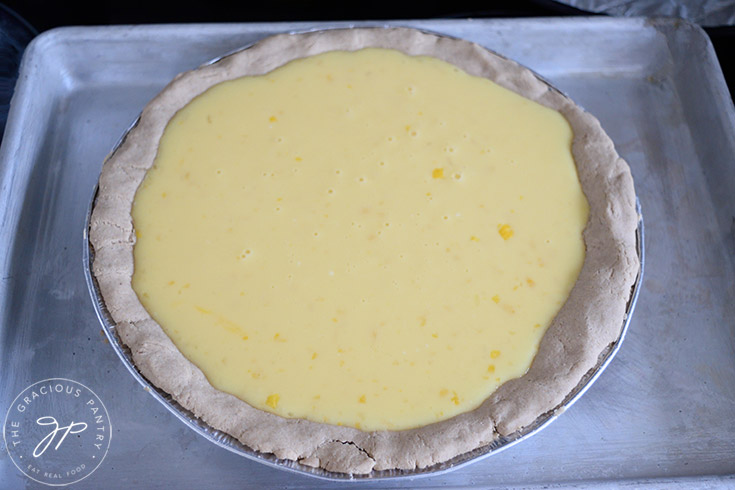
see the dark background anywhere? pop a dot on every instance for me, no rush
(21, 20)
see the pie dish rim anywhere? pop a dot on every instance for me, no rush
(547, 417)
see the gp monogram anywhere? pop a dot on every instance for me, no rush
(57, 431)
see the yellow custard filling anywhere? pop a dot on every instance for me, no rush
(360, 238)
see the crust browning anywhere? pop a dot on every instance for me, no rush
(589, 321)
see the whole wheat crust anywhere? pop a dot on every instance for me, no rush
(589, 321)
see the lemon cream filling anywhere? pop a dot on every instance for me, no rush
(360, 238)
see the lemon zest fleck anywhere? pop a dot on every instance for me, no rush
(505, 231)
(272, 400)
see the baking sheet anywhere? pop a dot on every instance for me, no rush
(661, 413)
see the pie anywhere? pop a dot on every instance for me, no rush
(365, 249)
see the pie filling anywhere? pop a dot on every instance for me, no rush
(360, 238)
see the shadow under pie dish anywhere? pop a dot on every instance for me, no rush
(351, 249)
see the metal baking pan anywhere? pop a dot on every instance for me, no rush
(660, 414)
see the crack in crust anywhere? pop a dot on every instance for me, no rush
(591, 318)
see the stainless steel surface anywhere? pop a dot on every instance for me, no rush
(662, 412)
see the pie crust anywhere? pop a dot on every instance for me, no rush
(589, 321)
